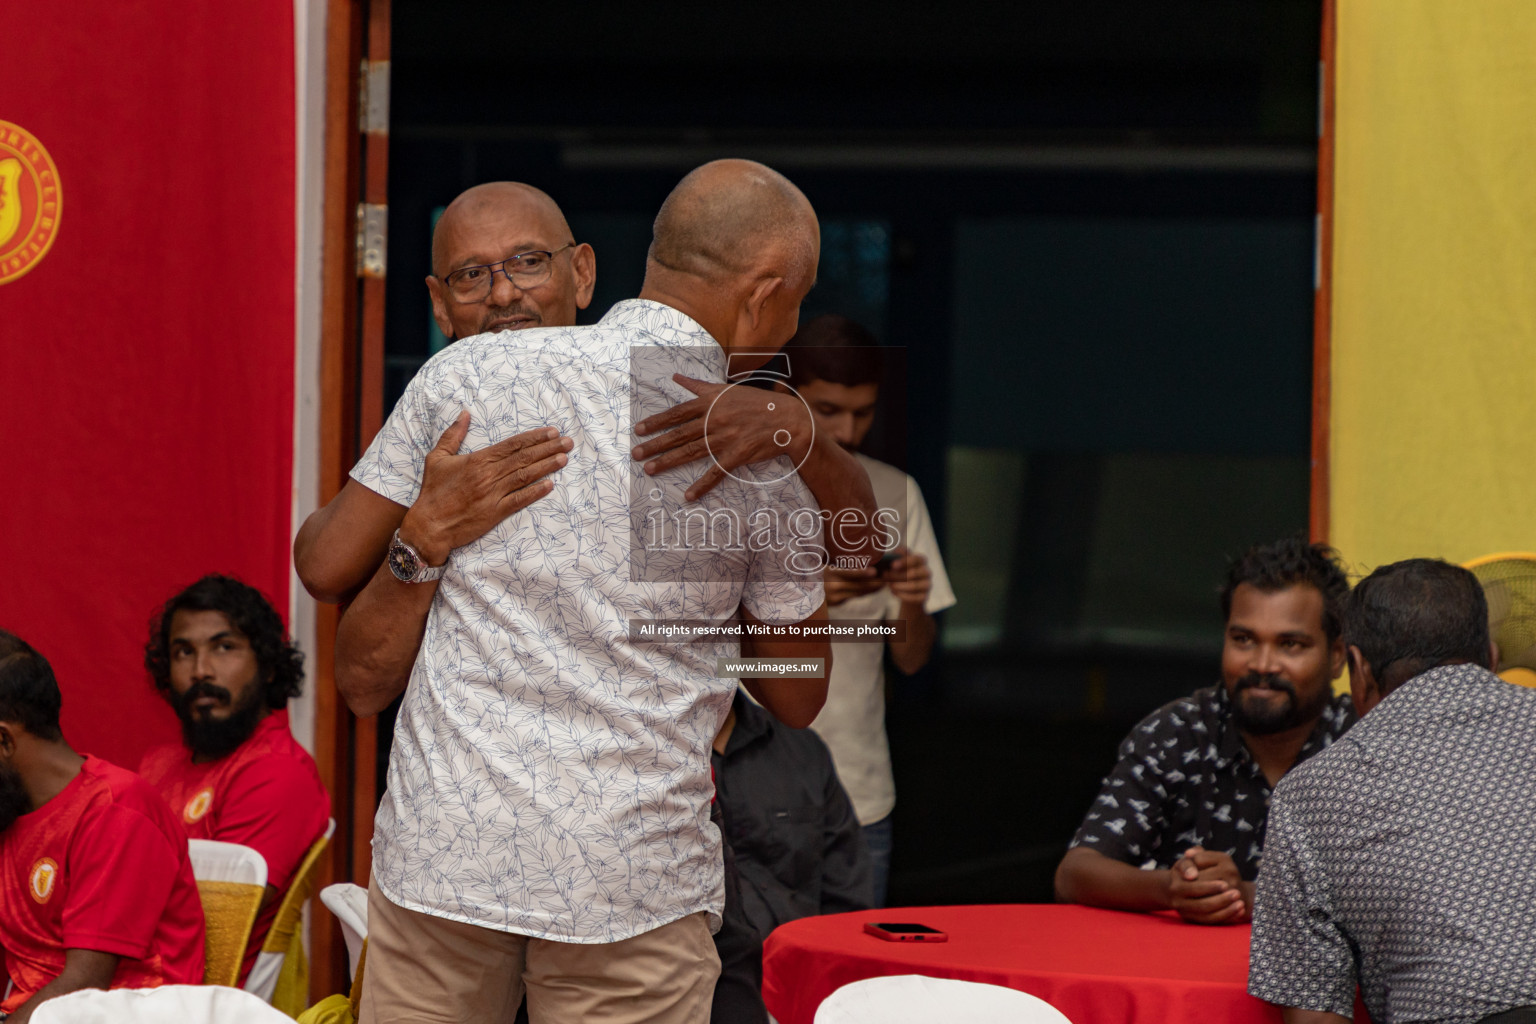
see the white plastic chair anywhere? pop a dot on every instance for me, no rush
(213, 861)
(350, 905)
(170, 1004)
(282, 956)
(232, 880)
(916, 999)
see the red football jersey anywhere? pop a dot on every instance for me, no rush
(266, 795)
(101, 866)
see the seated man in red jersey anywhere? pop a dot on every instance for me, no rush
(218, 654)
(96, 887)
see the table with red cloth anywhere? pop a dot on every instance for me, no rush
(1095, 966)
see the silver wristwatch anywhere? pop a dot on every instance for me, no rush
(408, 566)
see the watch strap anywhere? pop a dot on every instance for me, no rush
(407, 564)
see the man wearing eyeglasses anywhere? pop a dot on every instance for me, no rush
(503, 259)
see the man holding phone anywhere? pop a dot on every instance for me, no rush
(835, 368)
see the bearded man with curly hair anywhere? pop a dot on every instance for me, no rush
(219, 655)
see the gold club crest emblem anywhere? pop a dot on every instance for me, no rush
(198, 806)
(30, 200)
(43, 877)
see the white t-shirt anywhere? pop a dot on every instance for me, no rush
(550, 773)
(853, 720)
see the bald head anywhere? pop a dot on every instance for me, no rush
(485, 225)
(731, 217)
(530, 210)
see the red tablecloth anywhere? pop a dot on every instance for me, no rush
(1095, 966)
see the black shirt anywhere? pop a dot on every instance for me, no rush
(1186, 778)
(797, 842)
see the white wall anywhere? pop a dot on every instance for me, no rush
(309, 181)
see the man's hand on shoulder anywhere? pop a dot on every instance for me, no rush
(464, 496)
(1204, 886)
(341, 545)
(746, 424)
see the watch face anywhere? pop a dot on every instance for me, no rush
(401, 562)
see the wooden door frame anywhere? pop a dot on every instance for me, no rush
(1322, 310)
(351, 412)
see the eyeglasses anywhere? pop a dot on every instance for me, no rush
(525, 270)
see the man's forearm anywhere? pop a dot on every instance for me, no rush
(342, 543)
(60, 986)
(842, 489)
(324, 582)
(83, 968)
(912, 653)
(1092, 879)
(795, 702)
(377, 641)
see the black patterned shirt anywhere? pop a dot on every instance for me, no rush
(1404, 859)
(1185, 778)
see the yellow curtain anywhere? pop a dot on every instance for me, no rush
(1434, 276)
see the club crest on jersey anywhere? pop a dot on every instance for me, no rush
(30, 200)
(43, 878)
(197, 806)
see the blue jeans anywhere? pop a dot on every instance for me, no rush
(877, 836)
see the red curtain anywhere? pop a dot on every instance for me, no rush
(147, 361)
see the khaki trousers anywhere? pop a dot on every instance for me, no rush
(422, 968)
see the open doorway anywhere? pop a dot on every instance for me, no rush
(1094, 240)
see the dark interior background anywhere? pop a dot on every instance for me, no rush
(1089, 226)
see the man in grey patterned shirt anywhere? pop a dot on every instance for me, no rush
(1402, 859)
